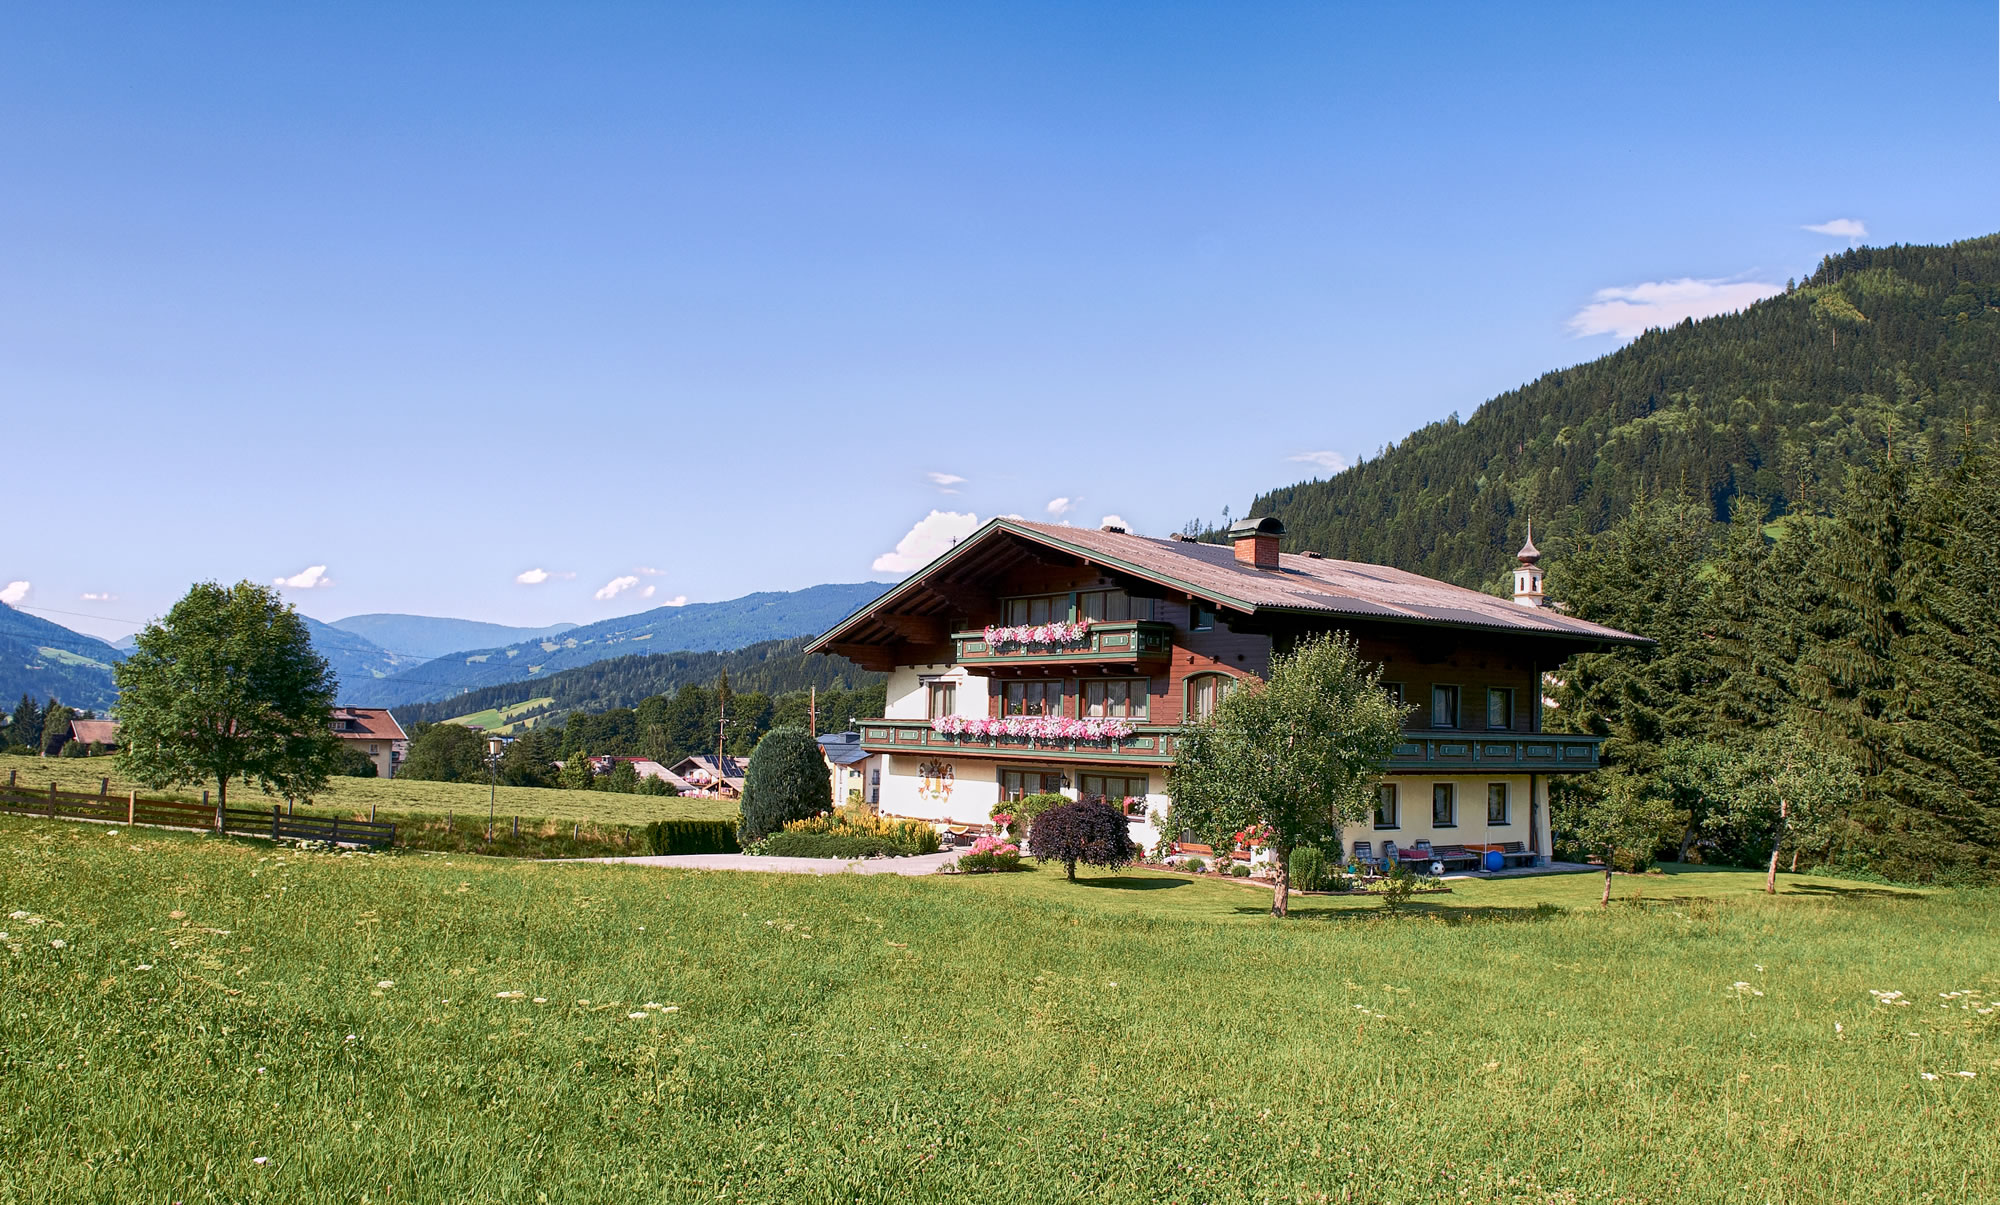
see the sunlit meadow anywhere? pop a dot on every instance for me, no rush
(197, 1019)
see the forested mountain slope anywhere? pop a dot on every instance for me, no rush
(699, 627)
(1893, 344)
(427, 636)
(47, 660)
(771, 667)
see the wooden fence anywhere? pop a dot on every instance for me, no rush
(19, 799)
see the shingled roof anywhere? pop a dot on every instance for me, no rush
(1302, 585)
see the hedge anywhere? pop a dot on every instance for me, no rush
(692, 837)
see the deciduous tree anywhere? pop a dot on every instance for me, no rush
(228, 687)
(1088, 831)
(788, 779)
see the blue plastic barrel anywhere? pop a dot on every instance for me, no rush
(1493, 860)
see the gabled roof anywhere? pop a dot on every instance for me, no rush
(843, 748)
(366, 724)
(94, 732)
(1300, 585)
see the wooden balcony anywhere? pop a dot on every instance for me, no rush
(1495, 752)
(1153, 745)
(1112, 642)
(1149, 745)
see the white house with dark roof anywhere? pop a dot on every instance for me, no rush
(1032, 657)
(374, 732)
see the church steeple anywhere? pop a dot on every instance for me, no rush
(1528, 574)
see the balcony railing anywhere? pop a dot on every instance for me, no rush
(1153, 745)
(1108, 642)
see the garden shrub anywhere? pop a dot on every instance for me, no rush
(1195, 866)
(1339, 882)
(1022, 812)
(1309, 868)
(1090, 832)
(788, 844)
(1396, 888)
(787, 780)
(989, 855)
(849, 833)
(1239, 871)
(691, 836)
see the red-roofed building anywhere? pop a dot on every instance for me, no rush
(1037, 658)
(375, 732)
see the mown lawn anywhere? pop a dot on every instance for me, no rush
(390, 797)
(423, 1027)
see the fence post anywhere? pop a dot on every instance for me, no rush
(274, 822)
(335, 838)
(52, 801)
(132, 805)
(218, 811)
(517, 826)
(103, 788)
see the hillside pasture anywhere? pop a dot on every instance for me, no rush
(505, 720)
(401, 1027)
(392, 797)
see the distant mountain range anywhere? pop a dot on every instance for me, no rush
(696, 627)
(386, 660)
(423, 637)
(48, 660)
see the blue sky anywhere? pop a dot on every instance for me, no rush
(493, 310)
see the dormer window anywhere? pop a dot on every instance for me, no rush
(1201, 617)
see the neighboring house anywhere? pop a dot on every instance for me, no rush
(375, 732)
(708, 777)
(95, 732)
(645, 767)
(1032, 657)
(854, 768)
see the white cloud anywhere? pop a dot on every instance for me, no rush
(310, 578)
(1848, 228)
(1332, 462)
(613, 588)
(1628, 311)
(678, 600)
(932, 535)
(647, 571)
(944, 481)
(648, 592)
(88, 596)
(536, 576)
(14, 592)
(1058, 507)
(1114, 521)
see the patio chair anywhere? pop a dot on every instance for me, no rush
(1364, 855)
(1390, 855)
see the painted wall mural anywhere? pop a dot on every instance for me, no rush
(934, 780)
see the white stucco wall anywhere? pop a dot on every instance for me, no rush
(908, 700)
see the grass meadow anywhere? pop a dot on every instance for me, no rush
(391, 797)
(189, 1018)
(505, 719)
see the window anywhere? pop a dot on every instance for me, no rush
(1115, 790)
(1444, 706)
(1496, 803)
(1385, 806)
(1123, 698)
(944, 698)
(1205, 691)
(1048, 608)
(1395, 692)
(1032, 698)
(1014, 784)
(1112, 606)
(374, 749)
(1499, 708)
(1444, 805)
(1201, 617)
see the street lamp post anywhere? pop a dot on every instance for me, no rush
(494, 744)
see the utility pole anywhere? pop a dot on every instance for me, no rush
(812, 711)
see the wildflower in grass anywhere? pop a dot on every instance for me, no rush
(509, 995)
(350, 1037)
(261, 1160)
(671, 1008)
(541, 999)
(641, 1015)
(385, 983)
(58, 943)
(144, 966)
(1926, 1075)
(17, 914)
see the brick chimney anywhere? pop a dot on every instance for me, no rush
(1256, 541)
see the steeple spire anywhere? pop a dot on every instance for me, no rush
(1528, 574)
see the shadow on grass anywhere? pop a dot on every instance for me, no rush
(1839, 891)
(1116, 883)
(1464, 914)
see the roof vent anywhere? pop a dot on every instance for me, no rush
(1113, 528)
(1256, 541)
(1311, 555)
(1177, 537)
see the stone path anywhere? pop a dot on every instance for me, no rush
(920, 865)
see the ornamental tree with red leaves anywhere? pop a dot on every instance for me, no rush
(1091, 832)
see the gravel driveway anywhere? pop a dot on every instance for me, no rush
(919, 865)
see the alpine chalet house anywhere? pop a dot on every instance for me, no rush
(1033, 657)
